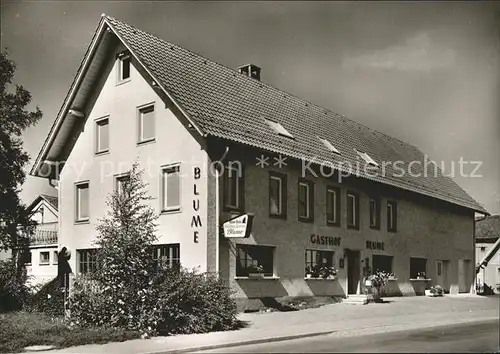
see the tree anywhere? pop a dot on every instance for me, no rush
(14, 119)
(124, 257)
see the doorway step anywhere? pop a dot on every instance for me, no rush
(359, 299)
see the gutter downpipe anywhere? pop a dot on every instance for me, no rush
(217, 216)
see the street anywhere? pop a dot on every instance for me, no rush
(478, 337)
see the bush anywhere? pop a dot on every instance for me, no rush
(49, 299)
(13, 289)
(189, 302)
(176, 301)
(94, 304)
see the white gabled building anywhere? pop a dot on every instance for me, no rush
(41, 261)
(137, 97)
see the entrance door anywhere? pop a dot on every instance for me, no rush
(439, 273)
(353, 271)
(464, 275)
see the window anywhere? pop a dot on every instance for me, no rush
(418, 266)
(44, 258)
(278, 128)
(121, 182)
(123, 67)
(392, 220)
(56, 258)
(333, 206)
(102, 135)
(374, 213)
(251, 255)
(167, 255)
(277, 195)
(233, 189)
(382, 263)
(483, 248)
(147, 124)
(329, 145)
(316, 258)
(171, 188)
(306, 200)
(439, 268)
(352, 210)
(82, 202)
(87, 261)
(367, 158)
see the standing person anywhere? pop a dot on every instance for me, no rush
(63, 267)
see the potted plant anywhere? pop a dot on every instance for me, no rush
(308, 272)
(255, 271)
(434, 291)
(328, 272)
(377, 281)
(421, 275)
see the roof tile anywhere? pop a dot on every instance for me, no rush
(229, 105)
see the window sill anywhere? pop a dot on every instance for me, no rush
(101, 153)
(275, 216)
(80, 222)
(416, 279)
(306, 220)
(331, 223)
(230, 209)
(44, 264)
(321, 279)
(263, 278)
(352, 227)
(121, 82)
(146, 142)
(168, 212)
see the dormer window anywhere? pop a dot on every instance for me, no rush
(123, 67)
(367, 158)
(278, 128)
(329, 145)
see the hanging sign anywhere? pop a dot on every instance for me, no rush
(238, 227)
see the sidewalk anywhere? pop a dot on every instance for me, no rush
(341, 319)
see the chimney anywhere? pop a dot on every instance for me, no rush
(250, 70)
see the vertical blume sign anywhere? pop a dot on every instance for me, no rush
(196, 220)
(238, 227)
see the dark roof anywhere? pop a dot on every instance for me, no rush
(488, 228)
(53, 201)
(225, 104)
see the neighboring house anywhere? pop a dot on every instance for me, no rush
(488, 252)
(41, 262)
(178, 113)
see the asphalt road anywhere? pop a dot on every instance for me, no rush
(479, 337)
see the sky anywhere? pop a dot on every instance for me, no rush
(426, 73)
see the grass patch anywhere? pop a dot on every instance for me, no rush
(21, 329)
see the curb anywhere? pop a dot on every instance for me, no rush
(242, 343)
(340, 332)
